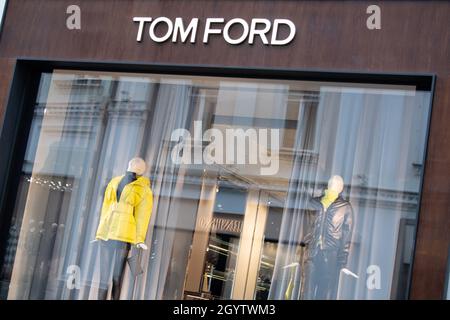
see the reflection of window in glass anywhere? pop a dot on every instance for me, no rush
(362, 138)
(269, 251)
(302, 108)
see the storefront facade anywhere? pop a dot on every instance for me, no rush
(249, 116)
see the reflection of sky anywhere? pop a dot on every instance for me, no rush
(2, 4)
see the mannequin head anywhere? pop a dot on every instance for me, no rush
(336, 184)
(137, 165)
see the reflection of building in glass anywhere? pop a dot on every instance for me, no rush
(86, 127)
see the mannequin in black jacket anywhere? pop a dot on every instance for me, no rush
(328, 242)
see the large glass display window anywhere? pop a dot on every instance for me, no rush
(157, 186)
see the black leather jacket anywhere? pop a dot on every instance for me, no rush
(331, 229)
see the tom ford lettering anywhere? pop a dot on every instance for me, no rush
(179, 30)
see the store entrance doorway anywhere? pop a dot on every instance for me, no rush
(227, 242)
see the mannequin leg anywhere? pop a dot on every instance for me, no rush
(120, 262)
(328, 279)
(334, 270)
(106, 259)
(322, 276)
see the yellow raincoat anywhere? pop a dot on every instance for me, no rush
(127, 219)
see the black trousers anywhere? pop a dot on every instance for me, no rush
(322, 276)
(113, 259)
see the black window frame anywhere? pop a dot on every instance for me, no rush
(24, 87)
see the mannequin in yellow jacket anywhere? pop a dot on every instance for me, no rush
(124, 220)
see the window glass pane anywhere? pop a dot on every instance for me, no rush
(250, 189)
(2, 8)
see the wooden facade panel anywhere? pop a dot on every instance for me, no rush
(330, 34)
(433, 236)
(6, 73)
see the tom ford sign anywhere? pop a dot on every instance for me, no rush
(162, 29)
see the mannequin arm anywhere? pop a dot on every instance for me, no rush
(347, 231)
(106, 204)
(142, 214)
(142, 246)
